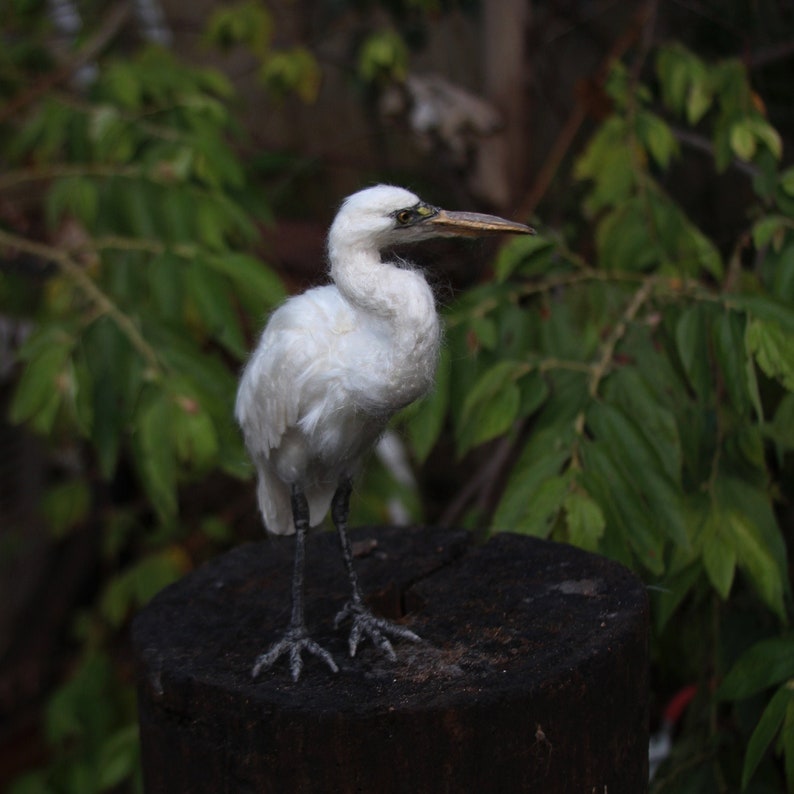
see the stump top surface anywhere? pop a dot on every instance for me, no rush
(514, 614)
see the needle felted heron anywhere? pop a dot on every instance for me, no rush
(332, 367)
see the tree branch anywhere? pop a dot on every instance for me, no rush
(608, 349)
(85, 283)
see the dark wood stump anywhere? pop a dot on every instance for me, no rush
(532, 675)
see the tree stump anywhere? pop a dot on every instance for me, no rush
(531, 677)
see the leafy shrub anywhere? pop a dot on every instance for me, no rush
(646, 396)
(132, 240)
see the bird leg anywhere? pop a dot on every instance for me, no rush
(296, 639)
(365, 624)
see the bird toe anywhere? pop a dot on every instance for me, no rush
(293, 644)
(365, 624)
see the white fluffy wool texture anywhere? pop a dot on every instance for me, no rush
(334, 364)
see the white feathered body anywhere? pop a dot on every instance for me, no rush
(332, 367)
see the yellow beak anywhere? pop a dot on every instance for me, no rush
(474, 224)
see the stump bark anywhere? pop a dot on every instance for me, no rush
(531, 677)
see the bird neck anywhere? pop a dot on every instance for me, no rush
(395, 306)
(380, 289)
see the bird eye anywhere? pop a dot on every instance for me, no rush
(404, 217)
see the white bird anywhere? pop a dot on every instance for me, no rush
(332, 367)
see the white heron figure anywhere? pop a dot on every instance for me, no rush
(332, 367)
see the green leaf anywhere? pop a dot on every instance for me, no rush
(672, 68)
(743, 140)
(642, 468)
(210, 294)
(541, 459)
(383, 55)
(118, 757)
(781, 430)
(216, 165)
(630, 390)
(767, 134)
(116, 375)
(297, 70)
(534, 391)
(250, 277)
(771, 228)
(781, 267)
(527, 255)
(139, 583)
(484, 331)
(762, 307)
(763, 665)
(41, 389)
(426, 421)
(731, 354)
(786, 742)
(630, 523)
(685, 81)
(607, 161)
(657, 137)
(719, 553)
(121, 83)
(773, 348)
(491, 406)
(585, 520)
(31, 783)
(765, 730)
(155, 455)
(166, 285)
(673, 590)
(66, 505)
(246, 23)
(699, 99)
(80, 705)
(544, 504)
(71, 196)
(195, 438)
(692, 335)
(756, 558)
(622, 239)
(757, 538)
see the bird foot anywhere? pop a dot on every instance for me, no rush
(294, 642)
(365, 624)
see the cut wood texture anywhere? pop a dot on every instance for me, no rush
(531, 676)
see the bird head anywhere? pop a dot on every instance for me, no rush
(381, 216)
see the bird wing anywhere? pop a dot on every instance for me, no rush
(282, 397)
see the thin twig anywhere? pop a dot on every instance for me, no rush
(529, 288)
(60, 170)
(573, 123)
(700, 142)
(86, 284)
(604, 363)
(479, 482)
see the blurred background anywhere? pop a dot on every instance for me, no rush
(624, 381)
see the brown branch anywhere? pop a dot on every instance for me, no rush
(696, 141)
(581, 110)
(85, 283)
(604, 363)
(58, 170)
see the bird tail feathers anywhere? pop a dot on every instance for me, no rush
(275, 502)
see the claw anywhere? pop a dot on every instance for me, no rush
(365, 624)
(294, 642)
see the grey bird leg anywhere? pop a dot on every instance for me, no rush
(364, 622)
(296, 640)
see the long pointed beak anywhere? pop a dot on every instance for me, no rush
(474, 224)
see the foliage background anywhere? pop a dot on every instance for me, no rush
(623, 382)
